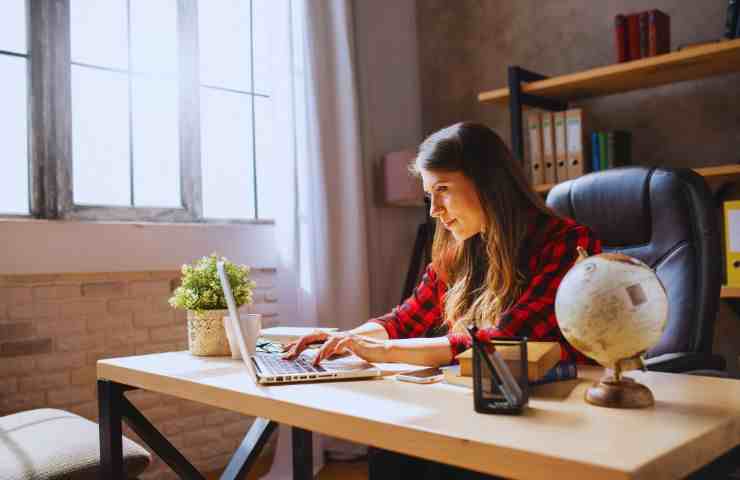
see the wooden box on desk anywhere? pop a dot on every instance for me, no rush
(541, 357)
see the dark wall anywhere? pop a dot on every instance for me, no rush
(465, 47)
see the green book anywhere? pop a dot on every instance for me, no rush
(602, 151)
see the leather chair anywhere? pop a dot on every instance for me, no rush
(666, 218)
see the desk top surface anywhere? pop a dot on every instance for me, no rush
(694, 420)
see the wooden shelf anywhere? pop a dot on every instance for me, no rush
(730, 292)
(713, 175)
(688, 64)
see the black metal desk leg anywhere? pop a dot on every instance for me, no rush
(109, 415)
(302, 454)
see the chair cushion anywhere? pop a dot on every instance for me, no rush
(47, 444)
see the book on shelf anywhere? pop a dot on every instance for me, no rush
(548, 148)
(642, 34)
(618, 148)
(611, 149)
(541, 357)
(561, 147)
(536, 173)
(731, 210)
(642, 19)
(633, 36)
(602, 152)
(659, 33)
(731, 21)
(561, 371)
(595, 152)
(576, 151)
(620, 38)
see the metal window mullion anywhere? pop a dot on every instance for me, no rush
(189, 115)
(130, 107)
(254, 127)
(50, 107)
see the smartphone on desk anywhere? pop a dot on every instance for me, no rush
(426, 375)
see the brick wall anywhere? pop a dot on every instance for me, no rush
(54, 328)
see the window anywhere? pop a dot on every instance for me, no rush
(14, 181)
(156, 111)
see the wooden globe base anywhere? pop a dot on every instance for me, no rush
(622, 393)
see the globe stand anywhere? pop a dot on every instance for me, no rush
(620, 392)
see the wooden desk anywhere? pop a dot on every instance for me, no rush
(695, 419)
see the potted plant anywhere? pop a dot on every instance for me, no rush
(200, 293)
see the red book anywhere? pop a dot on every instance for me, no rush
(659, 28)
(620, 31)
(644, 51)
(633, 36)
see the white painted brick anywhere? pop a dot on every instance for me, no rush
(46, 381)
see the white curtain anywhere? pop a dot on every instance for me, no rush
(320, 224)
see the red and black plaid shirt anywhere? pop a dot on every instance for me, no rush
(549, 252)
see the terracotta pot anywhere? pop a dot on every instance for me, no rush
(206, 334)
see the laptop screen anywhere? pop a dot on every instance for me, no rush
(234, 318)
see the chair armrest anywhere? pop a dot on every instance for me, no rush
(684, 362)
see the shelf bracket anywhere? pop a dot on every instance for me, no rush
(517, 99)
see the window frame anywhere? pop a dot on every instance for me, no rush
(50, 124)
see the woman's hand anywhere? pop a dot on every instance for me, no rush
(367, 348)
(293, 349)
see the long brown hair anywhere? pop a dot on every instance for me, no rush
(482, 272)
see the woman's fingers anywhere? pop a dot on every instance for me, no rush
(329, 349)
(293, 349)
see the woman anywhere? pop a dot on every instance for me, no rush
(498, 257)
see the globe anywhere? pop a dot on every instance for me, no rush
(611, 307)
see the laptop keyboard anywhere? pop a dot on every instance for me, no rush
(280, 366)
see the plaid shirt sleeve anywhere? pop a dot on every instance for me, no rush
(418, 313)
(533, 314)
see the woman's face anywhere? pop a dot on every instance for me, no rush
(455, 202)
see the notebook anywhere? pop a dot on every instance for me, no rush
(271, 368)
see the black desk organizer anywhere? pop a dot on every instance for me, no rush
(488, 386)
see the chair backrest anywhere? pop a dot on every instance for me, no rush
(666, 218)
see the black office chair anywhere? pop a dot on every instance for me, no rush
(666, 218)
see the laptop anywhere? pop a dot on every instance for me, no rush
(271, 368)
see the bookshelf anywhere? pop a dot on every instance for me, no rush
(530, 89)
(715, 176)
(688, 64)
